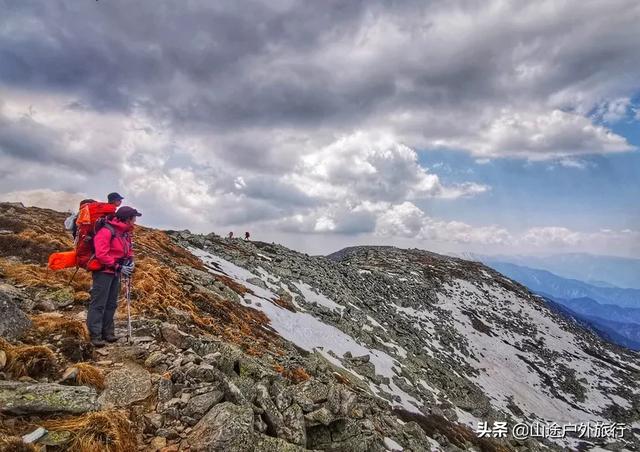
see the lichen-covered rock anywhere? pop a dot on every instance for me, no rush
(125, 386)
(294, 425)
(165, 389)
(321, 416)
(41, 398)
(226, 427)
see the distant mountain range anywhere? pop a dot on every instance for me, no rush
(612, 312)
(545, 282)
(600, 271)
(621, 333)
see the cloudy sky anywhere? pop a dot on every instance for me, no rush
(489, 126)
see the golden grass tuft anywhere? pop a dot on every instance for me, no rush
(89, 375)
(15, 444)
(108, 431)
(39, 276)
(52, 324)
(32, 361)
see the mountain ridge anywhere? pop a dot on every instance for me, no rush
(406, 347)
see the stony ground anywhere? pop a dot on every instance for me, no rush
(251, 346)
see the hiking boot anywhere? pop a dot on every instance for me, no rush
(97, 342)
(110, 338)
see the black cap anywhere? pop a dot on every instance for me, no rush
(126, 212)
(114, 197)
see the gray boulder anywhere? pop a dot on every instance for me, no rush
(199, 405)
(226, 427)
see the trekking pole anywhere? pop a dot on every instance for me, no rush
(73, 276)
(128, 290)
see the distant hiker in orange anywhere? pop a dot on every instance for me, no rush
(113, 250)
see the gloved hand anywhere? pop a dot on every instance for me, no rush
(127, 269)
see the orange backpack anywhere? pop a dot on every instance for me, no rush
(91, 218)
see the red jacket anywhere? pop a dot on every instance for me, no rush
(110, 249)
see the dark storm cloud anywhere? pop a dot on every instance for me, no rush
(222, 65)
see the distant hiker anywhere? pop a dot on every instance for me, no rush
(113, 250)
(115, 199)
(247, 236)
(230, 235)
(70, 222)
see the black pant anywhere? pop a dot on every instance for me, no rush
(104, 302)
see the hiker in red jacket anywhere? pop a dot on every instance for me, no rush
(113, 249)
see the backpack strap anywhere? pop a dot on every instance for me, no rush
(110, 228)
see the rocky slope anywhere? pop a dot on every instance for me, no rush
(252, 346)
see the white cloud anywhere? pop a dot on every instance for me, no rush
(373, 167)
(541, 136)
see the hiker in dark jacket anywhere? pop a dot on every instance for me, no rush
(115, 199)
(113, 249)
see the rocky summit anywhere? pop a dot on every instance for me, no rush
(249, 346)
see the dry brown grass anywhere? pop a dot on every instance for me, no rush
(39, 276)
(108, 431)
(15, 444)
(32, 361)
(284, 303)
(89, 375)
(28, 361)
(47, 324)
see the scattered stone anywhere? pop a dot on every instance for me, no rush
(321, 416)
(174, 336)
(126, 386)
(46, 306)
(199, 405)
(226, 427)
(158, 443)
(168, 433)
(257, 282)
(155, 359)
(34, 435)
(165, 389)
(63, 297)
(155, 419)
(13, 322)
